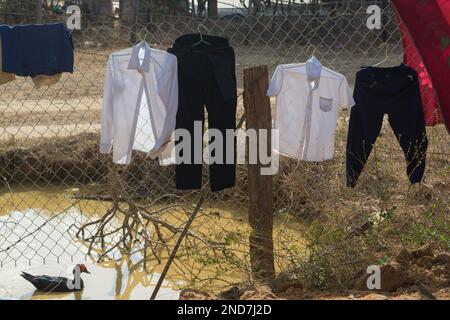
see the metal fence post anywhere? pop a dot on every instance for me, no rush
(133, 37)
(258, 114)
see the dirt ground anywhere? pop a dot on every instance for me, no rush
(417, 275)
(265, 293)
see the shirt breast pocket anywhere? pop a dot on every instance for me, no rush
(326, 104)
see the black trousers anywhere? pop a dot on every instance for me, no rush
(395, 92)
(206, 76)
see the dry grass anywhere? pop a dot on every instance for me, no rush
(335, 218)
(317, 216)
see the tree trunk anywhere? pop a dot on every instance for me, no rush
(213, 9)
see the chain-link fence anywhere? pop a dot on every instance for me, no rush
(55, 181)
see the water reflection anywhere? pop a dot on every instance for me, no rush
(37, 228)
(40, 241)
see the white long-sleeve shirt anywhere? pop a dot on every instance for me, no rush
(140, 103)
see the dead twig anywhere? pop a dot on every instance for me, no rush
(177, 245)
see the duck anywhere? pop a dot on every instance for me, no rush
(46, 283)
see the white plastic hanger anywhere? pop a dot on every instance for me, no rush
(313, 61)
(199, 29)
(142, 45)
(386, 53)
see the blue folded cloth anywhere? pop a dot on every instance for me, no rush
(32, 50)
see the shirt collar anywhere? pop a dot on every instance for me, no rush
(135, 63)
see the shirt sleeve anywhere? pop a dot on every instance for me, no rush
(346, 96)
(276, 83)
(107, 129)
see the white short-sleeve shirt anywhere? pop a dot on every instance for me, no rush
(309, 98)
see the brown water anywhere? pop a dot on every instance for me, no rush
(51, 249)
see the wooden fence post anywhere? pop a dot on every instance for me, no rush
(259, 116)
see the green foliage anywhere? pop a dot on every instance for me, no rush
(433, 228)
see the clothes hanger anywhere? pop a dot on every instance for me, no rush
(314, 70)
(142, 45)
(299, 64)
(313, 55)
(312, 59)
(145, 37)
(199, 30)
(386, 54)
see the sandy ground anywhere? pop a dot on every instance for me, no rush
(259, 292)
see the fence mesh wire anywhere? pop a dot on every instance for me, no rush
(54, 180)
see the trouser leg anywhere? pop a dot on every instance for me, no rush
(190, 113)
(221, 106)
(222, 117)
(365, 124)
(409, 128)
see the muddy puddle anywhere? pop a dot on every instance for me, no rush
(37, 227)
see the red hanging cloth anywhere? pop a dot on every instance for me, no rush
(425, 27)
